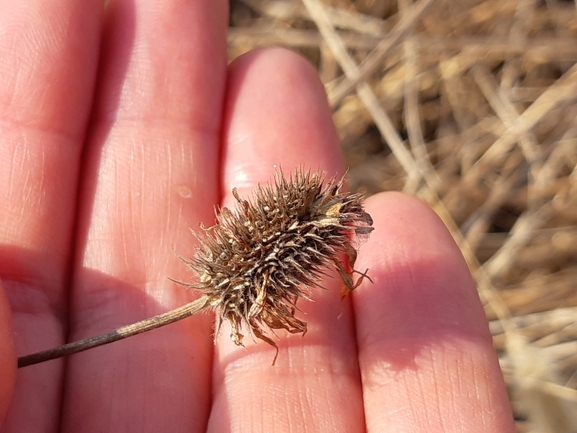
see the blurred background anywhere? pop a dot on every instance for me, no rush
(471, 106)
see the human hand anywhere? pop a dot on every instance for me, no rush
(100, 183)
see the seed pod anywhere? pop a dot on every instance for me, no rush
(259, 259)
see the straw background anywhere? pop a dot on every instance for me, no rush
(470, 105)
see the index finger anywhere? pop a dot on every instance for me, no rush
(48, 57)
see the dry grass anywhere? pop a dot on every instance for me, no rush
(472, 106)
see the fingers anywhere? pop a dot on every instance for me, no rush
(48, 55)
(425, 352)
(277, 115)
(150, 176)
(272, 119)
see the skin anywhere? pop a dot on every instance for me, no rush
(121, 128)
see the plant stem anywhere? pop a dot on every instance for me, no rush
(118, 334)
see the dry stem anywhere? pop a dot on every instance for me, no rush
(118, 334)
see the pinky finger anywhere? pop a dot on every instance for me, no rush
(425, 351)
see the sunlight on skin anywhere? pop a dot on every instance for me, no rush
(171, 134)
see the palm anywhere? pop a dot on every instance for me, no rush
(102, 186)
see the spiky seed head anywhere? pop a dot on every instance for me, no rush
(259, 259)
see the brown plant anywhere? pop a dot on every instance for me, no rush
(258, 260)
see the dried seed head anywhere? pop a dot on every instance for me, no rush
(255, 262)
(258, 260)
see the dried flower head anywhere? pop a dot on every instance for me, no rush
(258, 260)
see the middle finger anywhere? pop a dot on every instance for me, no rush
(150, 174)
